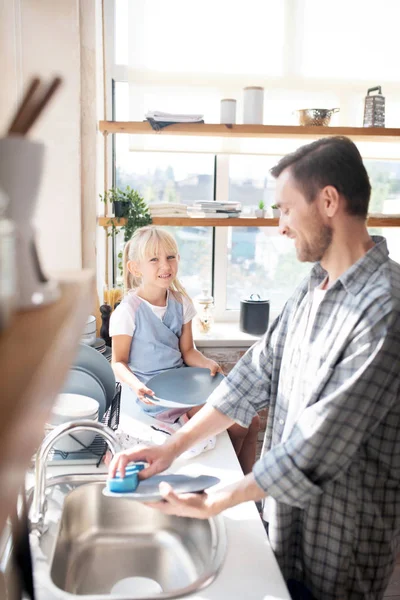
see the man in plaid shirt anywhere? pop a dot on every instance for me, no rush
(329, 371)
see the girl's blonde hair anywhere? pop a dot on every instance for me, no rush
(144, 243)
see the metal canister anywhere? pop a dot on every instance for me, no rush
(254, 315)
(374, 108)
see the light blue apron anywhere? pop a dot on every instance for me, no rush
(155, 344)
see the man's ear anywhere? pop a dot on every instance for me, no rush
(330, 200)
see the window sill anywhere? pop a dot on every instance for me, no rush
(224, 335)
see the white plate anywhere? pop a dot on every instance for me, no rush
(147, 490)
(187, 386)
(94, 362)
(75, 406)
(81, 382)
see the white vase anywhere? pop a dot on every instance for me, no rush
(21, 167)
(259, 213)
(276, 213)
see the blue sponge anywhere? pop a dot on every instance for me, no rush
(129, 483)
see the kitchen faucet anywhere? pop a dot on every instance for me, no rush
(39, 497)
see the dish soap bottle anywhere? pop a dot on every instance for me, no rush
(205, 311)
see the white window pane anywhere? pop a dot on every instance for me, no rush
(211, 37)
(250, 181)
(163, 177)
(174, 99)
(355, 40)
(160, 176)
(264, 262)
(195, 249)
(385, 182)
(121, 33)
(261, 261)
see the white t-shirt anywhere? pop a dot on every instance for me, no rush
(301, 336)
(122, 321)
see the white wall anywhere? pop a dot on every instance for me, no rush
(43, 37)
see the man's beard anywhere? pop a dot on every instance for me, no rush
(313, 251)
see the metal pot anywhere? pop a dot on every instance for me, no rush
(254, 315)
(316, 116)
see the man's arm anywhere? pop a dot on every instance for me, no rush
(237, 399)
(203, 506)
(207, 422)
(361, 389)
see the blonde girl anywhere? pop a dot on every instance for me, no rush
(151, 329)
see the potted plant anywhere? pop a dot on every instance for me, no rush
(276, 213)
(260, 211)
(118, 199)
(128, 204)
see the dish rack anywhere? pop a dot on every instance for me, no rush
(98, 447)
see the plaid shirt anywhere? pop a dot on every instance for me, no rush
(335, 479)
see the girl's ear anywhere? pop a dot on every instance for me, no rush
(133, 268)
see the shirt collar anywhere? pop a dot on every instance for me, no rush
(354, 279)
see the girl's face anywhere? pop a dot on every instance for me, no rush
(158, 269)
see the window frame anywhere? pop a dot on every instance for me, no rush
(119, 73)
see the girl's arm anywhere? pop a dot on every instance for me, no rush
(191, 356)
(121, 345)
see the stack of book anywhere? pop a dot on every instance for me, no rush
(158, 119)
(214, 209)
(173, 118)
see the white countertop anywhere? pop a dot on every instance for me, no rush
(224, 334)
(250, 570)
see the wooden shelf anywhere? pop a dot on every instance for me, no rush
(36, 351)
(373, 221)
(248, 131)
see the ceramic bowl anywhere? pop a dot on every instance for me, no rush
(90, 326)
(72, 407)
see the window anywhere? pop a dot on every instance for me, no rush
(260, 260)
(165, 58)
(168, 177)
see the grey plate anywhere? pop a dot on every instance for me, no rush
(188, 386)
(93, 361)
(81, 382)
(147, 490)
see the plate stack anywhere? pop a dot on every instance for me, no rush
(215, 209)
(89, 338)
(73, 407)
(101, 347)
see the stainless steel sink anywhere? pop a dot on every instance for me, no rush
(119, 548)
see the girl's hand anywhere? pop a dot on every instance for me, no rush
(142, 391)
(214, 368)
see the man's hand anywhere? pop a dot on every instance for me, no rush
(206, 505)
(158, 458)
(198, 506)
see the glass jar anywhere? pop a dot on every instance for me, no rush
(204, 304)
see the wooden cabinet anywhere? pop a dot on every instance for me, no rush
(36, 351)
